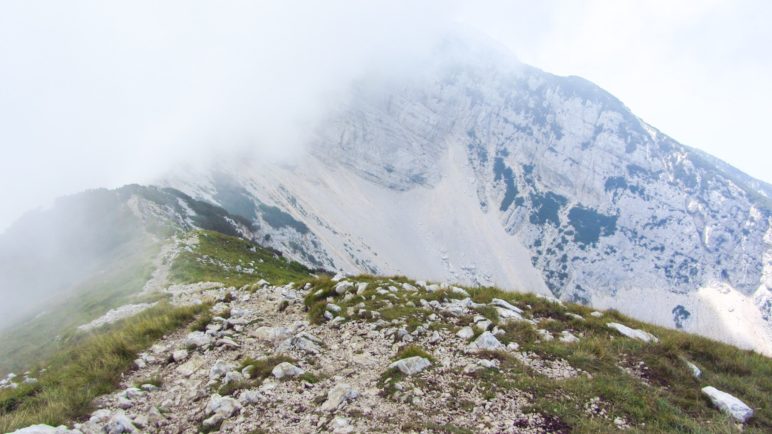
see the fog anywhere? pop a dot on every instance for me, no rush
(100, 94)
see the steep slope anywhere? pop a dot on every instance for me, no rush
(485, 171)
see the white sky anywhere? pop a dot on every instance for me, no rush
(96, 93)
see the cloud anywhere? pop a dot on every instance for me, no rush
(104, 93)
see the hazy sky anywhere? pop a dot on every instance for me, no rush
(96, 93)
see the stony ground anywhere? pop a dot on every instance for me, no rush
(349, 356)
(193, 381)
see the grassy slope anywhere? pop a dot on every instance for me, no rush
(216, 256)
(91, 367)
(670, 402)
(38, 338)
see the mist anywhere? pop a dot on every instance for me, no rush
(103, 94)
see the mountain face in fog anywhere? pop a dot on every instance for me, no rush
(484, 171)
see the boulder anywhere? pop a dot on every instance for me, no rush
(224, 406)
(633, 333)
(286, 370)
(271, 334)
(338, 397)
(198, 339)
(728, 404)
(179, 355)
(465, 333)
(219, 369)
(119, 424)
(567, 337)
(486, 341)
(411, 365)
(506, 305)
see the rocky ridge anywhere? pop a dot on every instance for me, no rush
(345, 355)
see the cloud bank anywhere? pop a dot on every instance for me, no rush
(105, 93)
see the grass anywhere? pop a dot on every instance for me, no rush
(666, 399)
(91, 366)
(36, 339)
(223, 258)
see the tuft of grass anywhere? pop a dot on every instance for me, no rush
(89, 368)
(413, 351)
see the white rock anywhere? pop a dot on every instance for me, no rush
(225, 406)
(191, 366)
(338, 396)
(334, 308)
(271, 334)
(544, 335)
(460, 291)
(302, 341)
(486, 341)
(506, 305)
(198, 339)
(408, 287)
(120, 423)
(343, 287)
(696, 372)
(179, 355)
(567, 337)
(250, 396)
(361, 288)
(489, 364)
(728, 404)
(232, 377)
(411, 365)
(465, 333)
(506, 314)
(575, 316)
(227, 342)
(597, 314)
(633, 333)
(44, 429)
(286, 370)
(219, 369)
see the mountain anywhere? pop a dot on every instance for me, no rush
(482, 170)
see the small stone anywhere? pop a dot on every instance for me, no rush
(596, 314)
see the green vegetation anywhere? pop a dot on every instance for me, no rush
(92, 365)
(229, 260)
(648, 386)
(38, 338)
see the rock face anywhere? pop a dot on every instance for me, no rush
(728, 404)
(558, 188)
